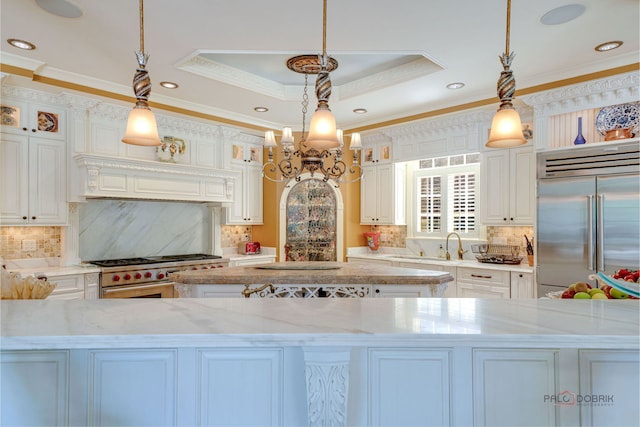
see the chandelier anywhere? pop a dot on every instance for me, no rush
(506, 127)
(141, 123)
(324, 142)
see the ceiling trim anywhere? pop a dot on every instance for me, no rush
(10, 69)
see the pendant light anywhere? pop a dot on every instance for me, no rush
(506, 127)
(322, 129)
(141, 124)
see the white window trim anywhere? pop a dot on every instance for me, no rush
(414, 208)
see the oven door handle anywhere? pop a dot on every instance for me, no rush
(114, 289)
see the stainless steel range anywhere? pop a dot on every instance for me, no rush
(147, 277)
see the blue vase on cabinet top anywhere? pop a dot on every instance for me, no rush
(579, 139)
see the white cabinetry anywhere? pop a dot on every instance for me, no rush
(382, 194)
(413, 387)
(251, 260)
(450, 292)
(247, 199)
(522, 285)
(508, 178)
(509, 387)
(376, 153)
(74, 286)
(401, 291)
(611, 376)
(23, 118)
(33, 180)
(482, 283)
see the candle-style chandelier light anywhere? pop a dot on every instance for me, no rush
(319, 152)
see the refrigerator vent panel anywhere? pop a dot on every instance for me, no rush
(614, 159)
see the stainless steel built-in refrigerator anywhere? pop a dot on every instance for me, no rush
(588, 216)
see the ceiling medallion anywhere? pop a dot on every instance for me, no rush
(310, 64)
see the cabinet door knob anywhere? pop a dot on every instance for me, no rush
(510, 219)
(33, 217)
(24, 217)
(377, 291)
(520, 274)
(33, 130)
(504, 219)
(24, 129)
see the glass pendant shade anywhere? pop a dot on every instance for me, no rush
(506, 130)
(322, 130)
(141, 128)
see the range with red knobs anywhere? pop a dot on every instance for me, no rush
(147, 277)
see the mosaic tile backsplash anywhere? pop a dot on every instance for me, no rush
(232, 235)
(391, 236)
(48, 242)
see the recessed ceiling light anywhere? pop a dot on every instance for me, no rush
(603, 47)
(360, 110)
(261, 109)
(21, 44)
(62, 8)
(169, 85)
(562, 14)
(456, 85)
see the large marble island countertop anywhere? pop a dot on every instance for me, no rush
(189, 322)
(316, 273)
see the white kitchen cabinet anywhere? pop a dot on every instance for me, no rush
(509, 387)
(482, 283)
(74, 286)
(611, 376)
(246, 208)
(401, 291)
(378, 153)
(451, 286)
(382, 195)
(368, 260)
(413, 387)
(508, 186)
(33, 119)
(522, 285)
(32, 180)
(251, 261)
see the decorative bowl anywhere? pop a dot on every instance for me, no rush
(622, 117)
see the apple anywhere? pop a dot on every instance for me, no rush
(568, 293)
(592, 292)
(581, 287)
(581, 295)
(618, 294)
(599, 295)
(629, 278)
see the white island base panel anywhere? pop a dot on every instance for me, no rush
(320, 362)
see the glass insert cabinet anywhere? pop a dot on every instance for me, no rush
(311, 216)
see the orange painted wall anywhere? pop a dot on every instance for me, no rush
(268, 234)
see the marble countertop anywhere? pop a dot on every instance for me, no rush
(304, 273)
(147, 323)
(522, 267)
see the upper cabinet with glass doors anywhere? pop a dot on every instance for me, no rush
(33, 119)
(373, 154)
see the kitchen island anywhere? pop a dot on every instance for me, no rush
(329, 361)
(310, 280)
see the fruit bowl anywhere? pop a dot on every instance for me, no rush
(625, 286)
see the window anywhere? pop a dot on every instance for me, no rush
(445, 190)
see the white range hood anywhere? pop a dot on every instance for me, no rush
(113, 177)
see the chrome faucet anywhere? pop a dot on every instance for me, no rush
(460, 251)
